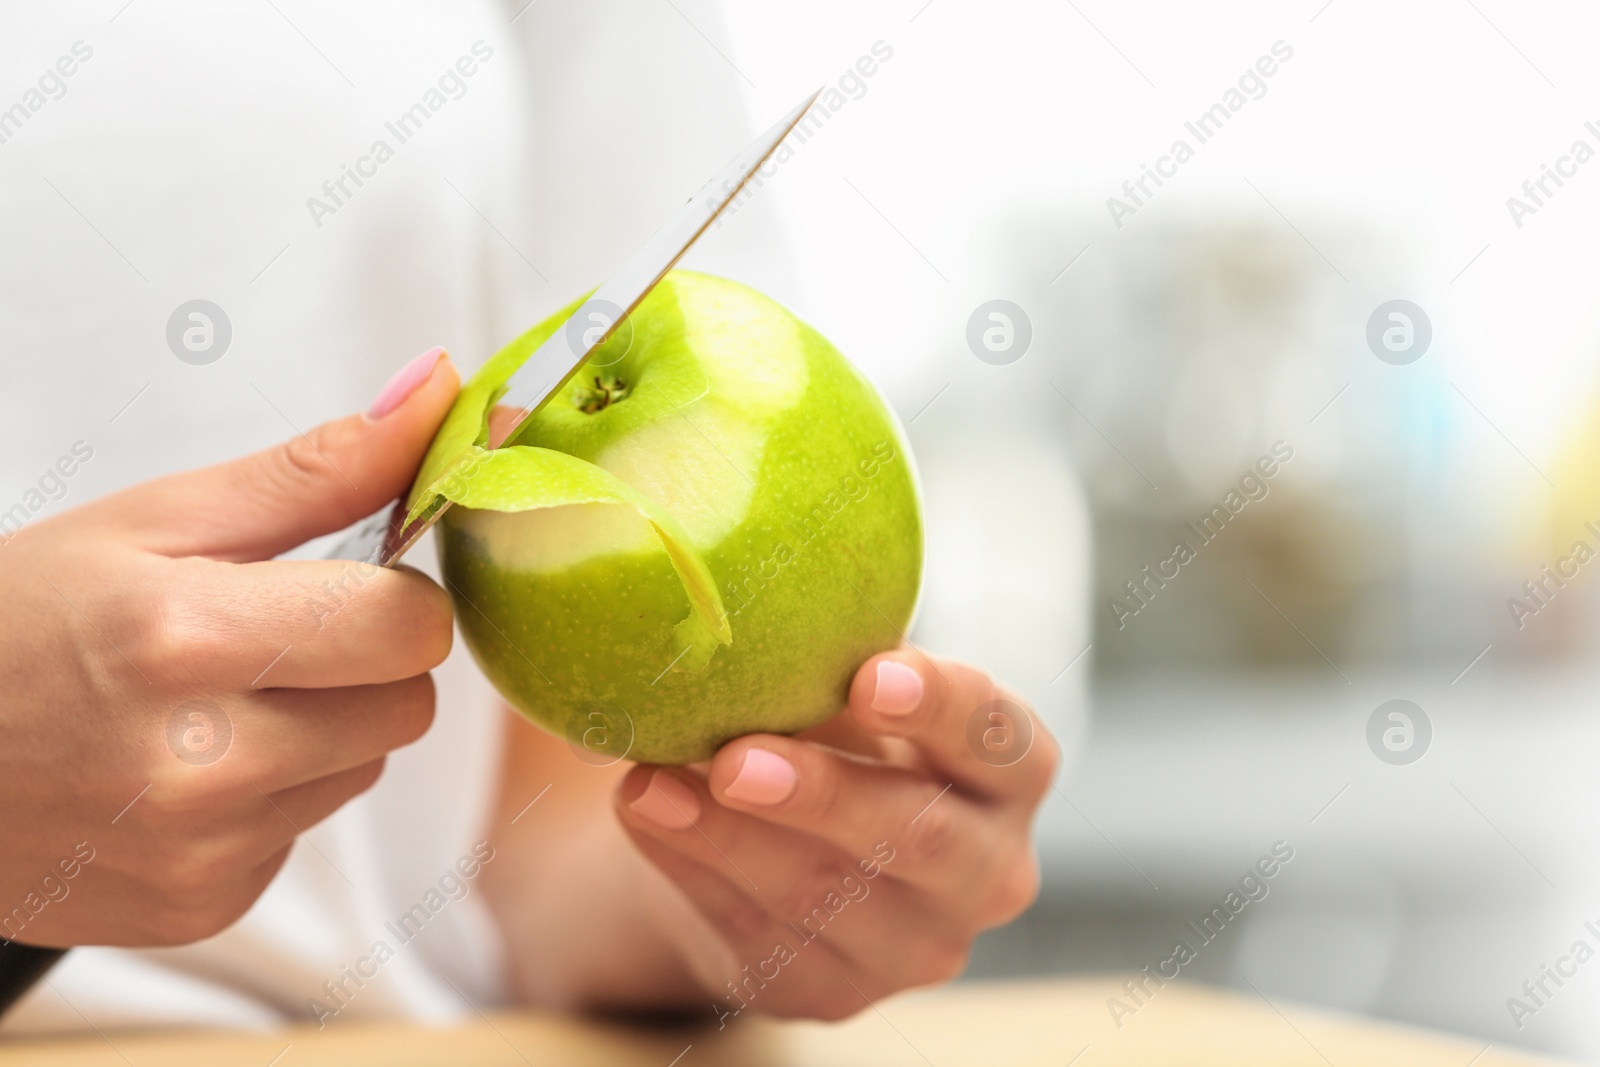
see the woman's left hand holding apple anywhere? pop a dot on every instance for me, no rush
(859, 858)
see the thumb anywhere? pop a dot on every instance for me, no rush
(314, 483)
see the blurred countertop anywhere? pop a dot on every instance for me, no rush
(1016, 1024)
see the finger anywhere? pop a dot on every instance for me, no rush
(674, 808)
(967, 729)
(273, 820)
(303, 806)
(290, 737)
(838, 918)
(313, 483)
(312, 623)
(768, 965)
(223, 901)
(893, 819)
(207, 911)
(652, 805)
(791, 873)
(782, 870)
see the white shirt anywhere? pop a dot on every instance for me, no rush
(185, 158)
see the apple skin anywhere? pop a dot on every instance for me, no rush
(782, 470)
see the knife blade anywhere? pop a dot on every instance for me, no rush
(385, 536)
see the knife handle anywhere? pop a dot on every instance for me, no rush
(364, 541)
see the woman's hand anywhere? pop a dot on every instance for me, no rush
(859, 859)
(177, 711)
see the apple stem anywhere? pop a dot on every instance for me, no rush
(602, 396)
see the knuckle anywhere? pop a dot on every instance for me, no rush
(1015, 890)
(181, 795)
(205, 888)
(302, 458)
(810, 892)
(167, 638)
(817, 798)
(194, 873)
(178, 642)
(743, 921)
(174, 914)
(370, 773)
(183, 922)
(188, 633)
(942, 963)
(1045, 757)
(933, 838)
(957, 684)
(1050, 758)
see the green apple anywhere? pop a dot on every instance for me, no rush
(702, 535)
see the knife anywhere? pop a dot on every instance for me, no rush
(385, 536)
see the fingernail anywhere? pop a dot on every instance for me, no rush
(667, 802)
(404, 383)
(899, 689)
(766, 778)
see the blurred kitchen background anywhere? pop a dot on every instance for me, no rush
(1229, 311)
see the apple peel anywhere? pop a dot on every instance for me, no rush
(516, 478)
(524, 478)
(466, 427)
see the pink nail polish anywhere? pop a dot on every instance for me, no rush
(899, 689)
(667, 802)
(766, 778)
(404, 383)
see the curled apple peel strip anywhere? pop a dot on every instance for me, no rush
(458, 446)
(524, 478)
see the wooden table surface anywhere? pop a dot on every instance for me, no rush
(1015, 1024)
